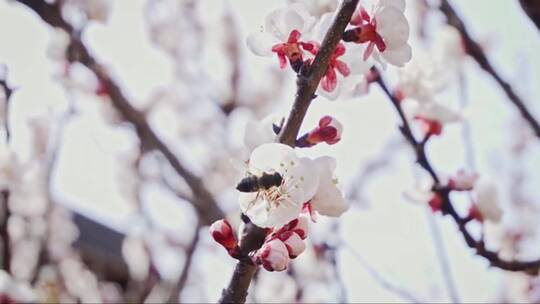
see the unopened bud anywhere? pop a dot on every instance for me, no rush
(328, 131)
(223, 234)
(273, 256)
(295, 245)
(431, 127)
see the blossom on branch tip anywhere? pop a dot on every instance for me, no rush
(329, 131)
(385, 31)
(283, 29)
(278, 205)
(273, 255)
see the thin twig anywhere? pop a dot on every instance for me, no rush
(181, 283)
(204, 202)
(381, 279)
(253, 238)
(442, 257)
(479, 246)
(474, 50)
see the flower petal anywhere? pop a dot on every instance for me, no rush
(274, 24)
(261, 43)
(266, 215)
(398, 57)
(329, 199)
(272, 156)
(392, 26)
(398, 4)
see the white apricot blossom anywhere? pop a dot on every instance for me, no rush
(328, 199)
(260, 132)
(487, 201)
(386, 32)
(278, 205)
(281, 34)
(435, 111)
(346, 72)
(418, 85)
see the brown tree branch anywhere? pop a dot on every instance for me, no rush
(479, 246)
(307, 83)
(532, 9)
(475, 51)
(204, 203)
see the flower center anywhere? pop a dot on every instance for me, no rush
(276, 196)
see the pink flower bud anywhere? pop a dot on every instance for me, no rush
(295, 245)
(463, 181)
(431, 127)
(273, 255)
(475, 214)
(223, 234)
(436, 202)
(328, 131)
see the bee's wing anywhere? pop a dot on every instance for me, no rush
(240, 168)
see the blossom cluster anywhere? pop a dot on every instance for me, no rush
(294, 190)
(484, 201)
(294, 34)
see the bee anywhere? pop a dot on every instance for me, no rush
(254, 183)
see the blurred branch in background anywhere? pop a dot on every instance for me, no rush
(176, 291)
(443, 192)
(204, 203)
(232, 45)
(5, 94)
(381, 160)
(474, 49)
(381, 279)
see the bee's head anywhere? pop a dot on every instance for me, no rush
(278, 178)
